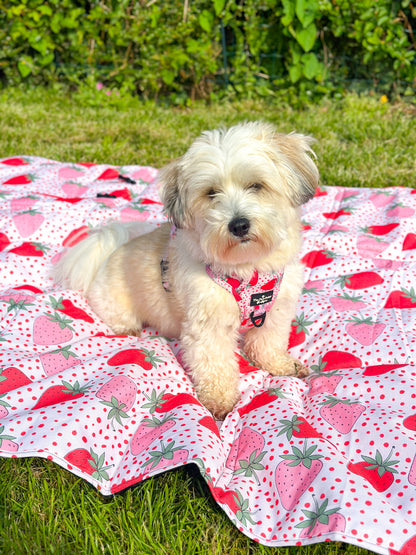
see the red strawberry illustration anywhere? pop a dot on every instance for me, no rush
(261, 400)
(89, 462)
(377, 471)
(299, 330)
(316, 258)
(361, 280)
(146, 359)
(148, 431)
(30, 249)
(296, 473)
(244, 365)
(410, 422)
(209, 423)
(408, 548)
(52, 329)
(380, 230)
(246, 453)
(75, 236)
(169, 455)
(12, 378)
(346, 302)
(321, 521)
(341, 414)
(337, 360)
(20, 180)
(122, 193)
(7, 443)
(119, 394)
(68, 308)
(58, 361)
(61, 393)
(320, 192)
(28, 222)
(14, 162)
(234, 501)
(347, 211)
(4, 241)
(401, 299)
(409, 242)
(28, 287)
(165, 402)
(364, 330)
(109, 174)
(379, 369)
(297, 427)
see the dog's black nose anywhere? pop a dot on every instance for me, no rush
(239, 227)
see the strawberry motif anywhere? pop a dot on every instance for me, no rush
(148, 431)
(316, 258)
(28, 222)
(323, 382)
(30, 249)
(381, 198)
(146, 359)
(24, 179)
(262, 399)
(89, 462)
(412, 472)
(211, 424)
(399, 210)
(134, 212)
(297, 427)
(408, 548)
(321, 521)
(341, 414)
(15, 161)
(409, 242)
(234, 501)
(109, 174)
(7, 443)
(347, 211)
(410, 422)
(119, 395)
(12, 378)
(401, 299)
(379, 369)
(52, 329)
(165, 402)
(378, 472)
(74, 190)
(246, 453)
(16, 301)
(75, 236)
(70, 172)
(336, 360)
(361, 280)
(347, 302)
(244, 365)
(299, 330)
(295, 474)
(23, 203)
(4, 406)
(59, 360)
(61, 393)
(169, 455)
(370, 247)
(68, 308)
(364, 330)
(4, 241)
(380, 229)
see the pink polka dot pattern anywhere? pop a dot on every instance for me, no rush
(332, 457)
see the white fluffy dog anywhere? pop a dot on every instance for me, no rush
(229, 262)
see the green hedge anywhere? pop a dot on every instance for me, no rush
(198, 48)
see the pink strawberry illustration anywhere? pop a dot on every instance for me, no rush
(313, 287)
(134, 212)
(346, 302)
(119, 394)
(16, 301)
(341, 414)
(399, 210)
(296, 473)
(144, 174)
(4, 407)
(369, 246)
(59, 360)
(364, 330)
(322, 382)
(333, 229)
(61, 393)
(246, 453)
(52, 329)
(70, 172)
(12, 378)
(148, 431)
(380, 198)
(89, 462)
(74, 190)
(321, 521)
(412, 473)
(23, 203)
(7, 443)
(169, 455)
(28, 222)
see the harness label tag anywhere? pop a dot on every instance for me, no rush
(261, 298)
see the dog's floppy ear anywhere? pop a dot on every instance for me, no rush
(170, 192)
(297, 149)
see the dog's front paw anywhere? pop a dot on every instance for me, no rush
(221, 404)
(282, 364)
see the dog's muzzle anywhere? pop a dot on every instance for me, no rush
(239, 227)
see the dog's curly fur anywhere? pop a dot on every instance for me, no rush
(247, 172)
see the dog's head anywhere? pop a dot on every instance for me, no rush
(239, 190)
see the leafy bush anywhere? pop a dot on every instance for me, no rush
(175, 49)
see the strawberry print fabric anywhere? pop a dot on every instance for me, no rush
(332, 457)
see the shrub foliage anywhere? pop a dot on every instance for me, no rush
(196, 48)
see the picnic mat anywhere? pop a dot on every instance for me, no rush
(331, 457)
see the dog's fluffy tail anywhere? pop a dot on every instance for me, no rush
(78, 267)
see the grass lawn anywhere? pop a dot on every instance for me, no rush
(44, 509)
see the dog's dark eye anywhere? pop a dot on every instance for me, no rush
(256, 186)
(211, 193)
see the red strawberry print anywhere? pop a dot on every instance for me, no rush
(234, 501)
(410, 422)
(409, 242)
(378, 471)
(75, 236)
(296, 473)
(261, 400)
(109, 174)
(165, 402)
(211, 424)
(12, 378)
(119, 394)
(408, 548)
(20, 180)
(121, 193)
(317, 258)
(320, 192)
(379, 369)
(321, 521)
(364, 330)
(4, 241)
(244, 365)
(380, 229)
(168, 456)
(58, 361)
(361, 280)
(29, 287)
(345, 302)
(148, 431)
(402, 299)
(146, 359)
(89, 462)
(7, 443)
(347, 211)
(52, 329)
(246, 453)
(14, 162)
(68, 308)
(28, 222)
(341, 414)
(61, 393)
(337, 360)
(297, 427)
(30, 249)
(299, 330)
